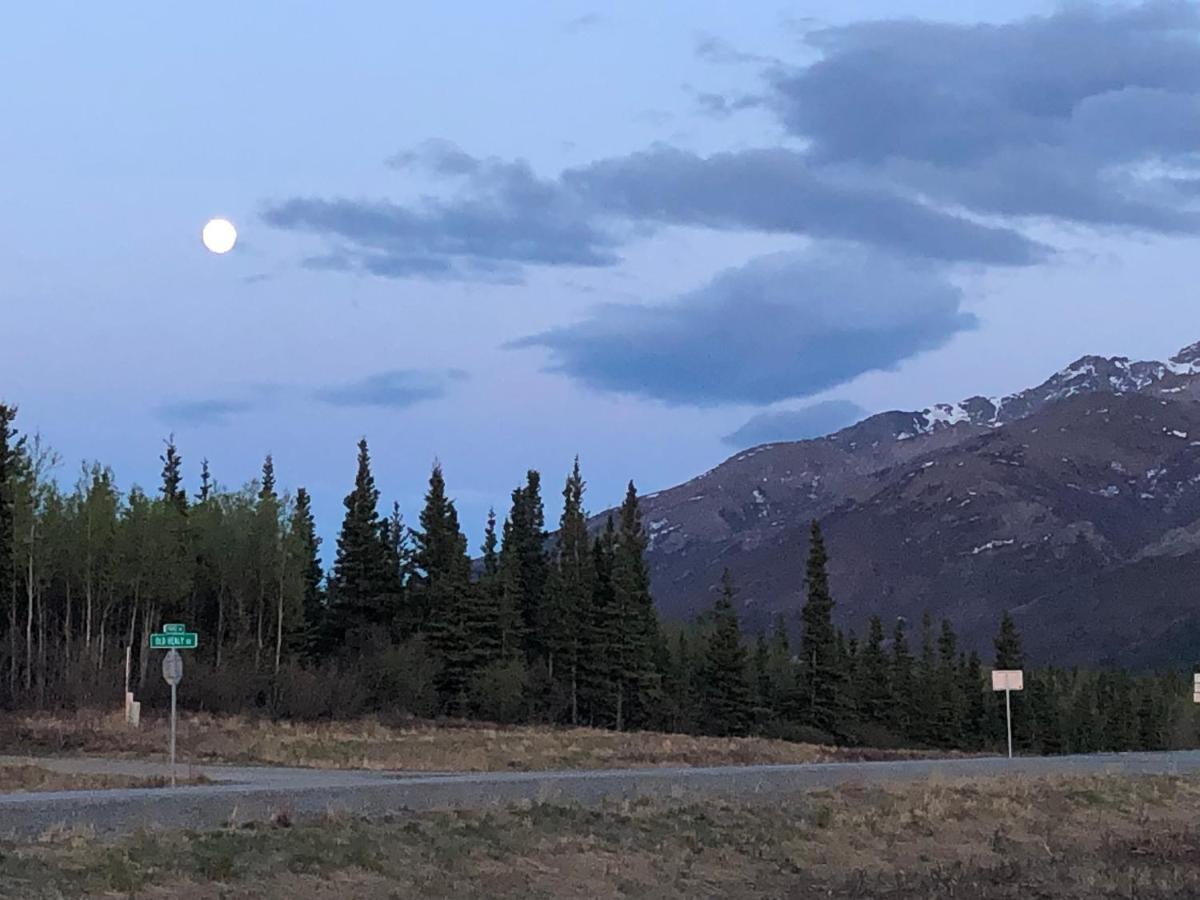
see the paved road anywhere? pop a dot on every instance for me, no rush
(241, 794)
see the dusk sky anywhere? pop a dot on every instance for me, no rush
(504, 234)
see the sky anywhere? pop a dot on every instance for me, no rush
(499, 235)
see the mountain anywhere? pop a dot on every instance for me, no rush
(1074, 504)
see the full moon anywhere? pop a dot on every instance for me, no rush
(219, 235)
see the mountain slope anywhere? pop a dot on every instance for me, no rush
(1075, 504)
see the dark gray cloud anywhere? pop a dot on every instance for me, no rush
(779, 191)
(396, 389)
(786, 325)
(812, 421)
(215, 411)
(504, 217)
(1062, 116)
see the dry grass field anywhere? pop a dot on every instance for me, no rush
(1091, 838)
(424, 747)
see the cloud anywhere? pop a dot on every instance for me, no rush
(778, 190)
(202, 412)
(939, 141)
(812, 421)
(584, 22)
(397, 389)
(504, 217)
(716, 50)
(911, 147)
(1050, 116)
(782, 326)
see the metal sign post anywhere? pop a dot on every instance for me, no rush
(172, 672)
(174, 637)
(1008, 680)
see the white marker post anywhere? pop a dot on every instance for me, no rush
(1008, 680)
(1196, 688)
(172, 672)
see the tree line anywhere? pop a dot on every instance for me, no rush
(535, 625)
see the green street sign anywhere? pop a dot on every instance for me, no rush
(175, 629)
(188, 640)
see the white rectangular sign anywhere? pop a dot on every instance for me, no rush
(1008, 680)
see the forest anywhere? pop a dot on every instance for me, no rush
(537, 625)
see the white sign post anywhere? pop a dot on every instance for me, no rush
(1008, 680)
(172, 672)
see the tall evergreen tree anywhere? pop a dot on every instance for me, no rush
(529, 533)
(725, 693)
(873, 678)
(444, 586)
(206, 482)
(486, 620)
(636, 650)
(304, 532)
(172, 477)
(975, 721)
(360, 569)
(601, 665)
(568, 593)
(906, 699)
(924, 722)
(267, 481)
(950, 703)
(819, 656)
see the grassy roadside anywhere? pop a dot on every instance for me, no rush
(990, 838)
(23, 778)
(427, 747)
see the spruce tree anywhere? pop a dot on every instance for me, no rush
(681, 685)
(784, 690)
(535, 566)
(484, 620)
(975, 721)
(818, 640)
(636, 647)
(568, 593)
(924, 723)
(724, 691)
(267, 481)
(763, 706)
(446, 597)
(950, 702)
(303, 531)
(172, 477)
(600, 667)
(906, 700)
(491, 555)
(1085, 729)
(873, 686)
(360, 569)
(206, 482)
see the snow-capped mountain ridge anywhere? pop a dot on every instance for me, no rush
(1087, 375)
